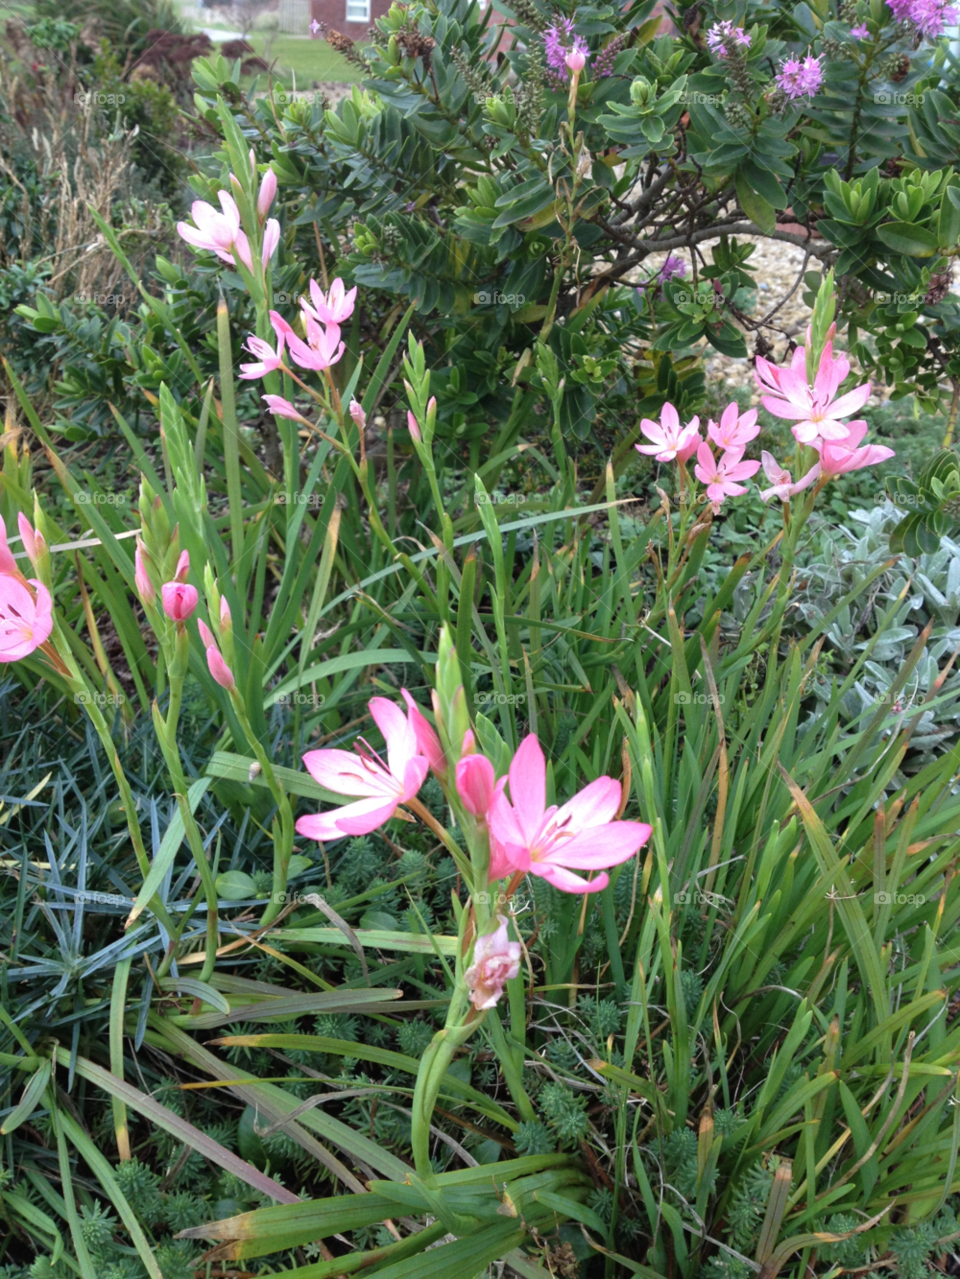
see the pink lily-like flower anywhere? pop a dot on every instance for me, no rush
(721, 476)
(26, 620)
(735, 429)
(268, 358)
(839, 456)
(782, 485)
(495, 961)
(379, 786)
(816, 411)
(670, 440)
(553, 842)
(335, 307)
(282, 408)
(218, 232)
(179, 600)
(322, 349)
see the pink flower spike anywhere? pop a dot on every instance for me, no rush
(721, 476)
(428, 743)
(145, 587)
(205, 633)
(839, 456)
(271, 238)
(26, 620)
(335, 307)
(412, 427)
(268, 359)
(782, 486)
(218, 668)
(7, 563)
(34, 542)
(670, 441)
(379, 786)
(496, 960)
(268, 190)
(527, 836)
(476, 784)
(179, 600)
(735, 430)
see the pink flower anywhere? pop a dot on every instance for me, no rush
(322, 348)
(34, 542)
(413, 427)
(218, 668)
(26, 620)
(281, 407)
(670, 440)
(495, 961)
(145, 587)
(476, 784)
(860, 32)
(357, 414)
(218, 232)
(179, 600)
(380, 786)
(576, 59)
(816, 411)
(183, 567)
(268, 190)
(268, 358)
(735, 430)
(800, 79)
(721, 476)
(553, 842)
(839, 456)
(334, 307)
(271, 238)
(783, 486)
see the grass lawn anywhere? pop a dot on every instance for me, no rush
(306, 59)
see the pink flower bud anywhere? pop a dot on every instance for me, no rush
(226, 621)
(33, 540)
(281, 407)
(495, 961)
(205, 633)
(576, 60)
(7, 563)
(179, 600)
(145, 588)
(220, 671)
(358, 415)
(268, 189)
(476, 784)
(413, 427)
(271, 238)
(183, 567)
